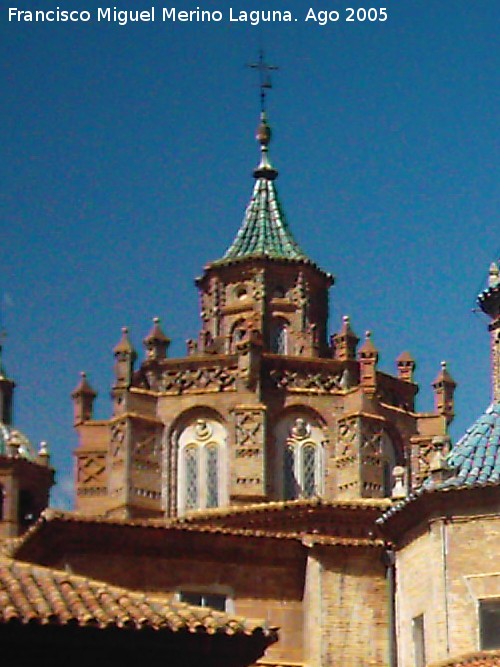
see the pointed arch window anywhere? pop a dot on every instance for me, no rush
(290, 483)
(26, 509)
(278, 343)
(201, 474)
(212, 476)
(309, 470)
(191, 469)
(302, 471)
(302, 458)
(388, 461)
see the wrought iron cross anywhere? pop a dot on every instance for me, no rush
(264, 78)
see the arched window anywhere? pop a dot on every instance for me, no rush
(238, 333)
(201, 473)
(387, 480)
(289, 482)
(309, 470)
(2, 497)
(212, 476)
(191, 480)
(301, 441)
(388, 461)
(26, 509)
(278, 342)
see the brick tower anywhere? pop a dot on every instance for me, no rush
(25, 476)
(265, 406)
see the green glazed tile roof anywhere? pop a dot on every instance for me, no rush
(476, 456)
(14, 443)
(264, 230)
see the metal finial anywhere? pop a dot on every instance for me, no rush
(264, 78)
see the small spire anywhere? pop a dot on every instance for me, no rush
(156, 342)
(345, 341)
(83, 387)
(444, 376)
(406, 366)
(368, 358)
(368, 349)
(444, 388)
(124, 345)
(83, 400)
(263, 136)
(156, 333)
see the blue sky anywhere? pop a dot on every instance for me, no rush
(127, 159)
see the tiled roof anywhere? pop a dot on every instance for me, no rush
(264, 230)
(281, 505)
(476, 456)
(35, 593)
(478, 659)
(248, 523)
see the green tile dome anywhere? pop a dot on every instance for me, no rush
(475, 458)
(14, 443)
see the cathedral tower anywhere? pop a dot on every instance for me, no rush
(25, 475)
(265, 406)
(265, 283)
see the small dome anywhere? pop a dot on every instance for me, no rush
(14, 443)
(475, 458)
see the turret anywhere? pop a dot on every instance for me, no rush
(264, 281)
(156, 343)
(444, 390)
(345, 342)
(406, 366)
(25, 476)
(125, 356)
(368, 358)
(83, 401)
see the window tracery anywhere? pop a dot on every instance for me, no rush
(301, 442)
(201, 471)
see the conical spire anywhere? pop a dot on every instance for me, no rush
(83, 387)
(264, 231)
(156, 342)
(124, 346)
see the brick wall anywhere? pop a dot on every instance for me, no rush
(442, 573)
(348, 614)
